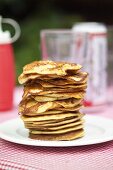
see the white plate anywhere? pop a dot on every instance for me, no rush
(97, 130)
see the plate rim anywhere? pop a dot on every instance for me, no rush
(55, 143)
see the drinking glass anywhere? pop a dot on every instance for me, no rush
(56, 45)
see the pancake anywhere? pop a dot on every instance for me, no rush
(45, 98)
(46, 117)
(76, 95)
(54, 123)
(43, 113)
(68, 125)
(60, 131)
(37, 87)
(46, 110)
(40, 112)
(31, 106)
(50, 67)
(61, 121)
(55, 94)
(39, 90)
(57, 137)
(26, 78)
(49, 85)
(50, 80)
(80, 78)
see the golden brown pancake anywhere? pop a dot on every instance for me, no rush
(77, 95)
(68, 125)
(54, 94)
(79, 78)
(45, 98)
(50, 67)
(48, 98)
(54, 123)
(61, 131)
(32, 107)
(57, 137)
(50, 117)
(36, 88)
(49, 85)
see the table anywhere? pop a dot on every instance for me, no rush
(21, 157)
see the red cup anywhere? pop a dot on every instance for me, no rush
(7, 77)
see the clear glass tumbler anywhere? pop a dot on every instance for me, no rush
(56, 45)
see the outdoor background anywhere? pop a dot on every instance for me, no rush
(35, 15)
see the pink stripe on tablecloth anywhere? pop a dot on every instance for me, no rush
(6, 164)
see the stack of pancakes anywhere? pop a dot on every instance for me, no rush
(52, 98)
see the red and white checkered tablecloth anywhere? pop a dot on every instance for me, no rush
(22, 157)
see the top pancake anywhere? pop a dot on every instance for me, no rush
(49, 68)
(50, 80)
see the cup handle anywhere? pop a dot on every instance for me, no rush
(16, 27)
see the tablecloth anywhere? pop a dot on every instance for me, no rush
(22, 157)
